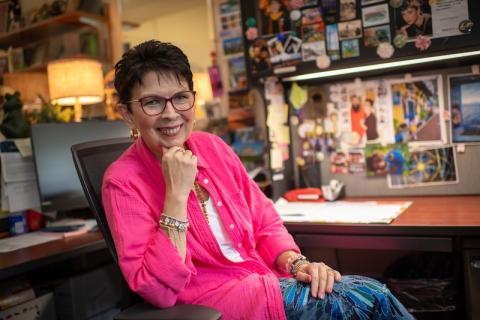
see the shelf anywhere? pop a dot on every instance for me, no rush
(57, 25)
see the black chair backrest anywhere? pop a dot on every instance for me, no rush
(91, 160)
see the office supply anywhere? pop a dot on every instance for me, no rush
(58, 183)
(341, 211)
(27, 240)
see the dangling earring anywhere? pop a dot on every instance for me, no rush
(134, 134)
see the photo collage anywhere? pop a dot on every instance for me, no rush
(287, 33)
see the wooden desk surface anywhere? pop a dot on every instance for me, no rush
(23, 260)
(432, 215)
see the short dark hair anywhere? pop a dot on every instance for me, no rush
(152, 55)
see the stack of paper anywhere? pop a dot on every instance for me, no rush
(18, 183)
(341, 211)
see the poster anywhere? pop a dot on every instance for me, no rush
(382, 160)
(464, 102)
(418, 110)
(426, 167)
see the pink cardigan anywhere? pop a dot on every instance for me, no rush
(133, 197)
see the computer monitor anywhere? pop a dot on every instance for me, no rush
(58, 182)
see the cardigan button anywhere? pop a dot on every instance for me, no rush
(231, 226)
(239, 245)
(205, 181)
(219, 203)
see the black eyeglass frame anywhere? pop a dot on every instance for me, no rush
(166, 101)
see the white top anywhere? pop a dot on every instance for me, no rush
(220, 234)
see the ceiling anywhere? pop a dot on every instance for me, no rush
(143, 10)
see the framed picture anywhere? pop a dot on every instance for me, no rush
(464, 103)
(375, 15)
(232, 46)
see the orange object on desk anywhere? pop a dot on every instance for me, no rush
(304, 194)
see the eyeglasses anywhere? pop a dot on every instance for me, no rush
(154, 105)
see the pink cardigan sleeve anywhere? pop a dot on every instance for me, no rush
(149, 261)
(271, 236)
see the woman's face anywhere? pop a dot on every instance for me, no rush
(171, 127)
(410, 15)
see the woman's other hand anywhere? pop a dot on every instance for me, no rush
(320, 276)
(179, 168)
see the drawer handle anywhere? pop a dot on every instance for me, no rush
(475, 264)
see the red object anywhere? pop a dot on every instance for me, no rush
(305, 194)
(34, 220)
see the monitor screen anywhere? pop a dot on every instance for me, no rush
(58, 182)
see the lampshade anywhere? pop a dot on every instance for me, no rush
(75, 80)
(201, 84)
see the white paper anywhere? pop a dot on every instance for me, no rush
(24, 146)
(27, 240)
(22, 195)
(447, 15)
(16, 168)
(341, 211)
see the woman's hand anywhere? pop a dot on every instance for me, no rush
(179, 167)
(320, 276)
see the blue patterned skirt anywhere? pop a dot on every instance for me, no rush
(354, 297)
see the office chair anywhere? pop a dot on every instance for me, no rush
(91, 160)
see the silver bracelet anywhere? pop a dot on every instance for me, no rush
(299, 261)
(173, 223)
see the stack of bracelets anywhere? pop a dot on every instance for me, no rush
(173, 223)
(294, 263)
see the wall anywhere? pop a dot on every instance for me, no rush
(188, 29)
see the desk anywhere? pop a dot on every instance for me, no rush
(27, 259)
(436, 224)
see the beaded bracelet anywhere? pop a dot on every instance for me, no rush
(295, 262)
(173, 223)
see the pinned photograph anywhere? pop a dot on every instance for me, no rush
(375, 15)
(375, 35)
(414, 18)
(350, 30)
(275, 49)
(465, 107)
(312, 50)
(385, 160)
(238, 74)
(313, 32)
(356, 159)
(259, 56)
(350, 48)
(418, 110)
(427, 167)
(330, 10)
(333, 45)
(233, 46)
(348, 10)
(311, 15)
(292, 49)
(339, 162)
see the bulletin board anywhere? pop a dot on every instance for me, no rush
(303, 36)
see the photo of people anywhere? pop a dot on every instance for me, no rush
(357, 119)
(414, 18)
(275, 18)
(418, 109)
(465, 108)
(387, 160)
(432, 166)
(292, 48)
(370, 121)
(356, 161)
(275, 49)
(348, 10)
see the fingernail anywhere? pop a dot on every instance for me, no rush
(322, 296)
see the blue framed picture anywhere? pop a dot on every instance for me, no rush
(465, 107)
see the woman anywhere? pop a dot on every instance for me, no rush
(190, 226)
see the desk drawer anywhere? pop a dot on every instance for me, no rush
(374, 242)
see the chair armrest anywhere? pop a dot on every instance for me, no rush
(145, 311)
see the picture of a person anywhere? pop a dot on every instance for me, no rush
(395, 164)
(410, 108)
(357, 118)
(370, 120)
(417, 22)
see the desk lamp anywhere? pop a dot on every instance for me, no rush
(77, 82)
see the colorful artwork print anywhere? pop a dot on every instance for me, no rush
(259, 56)
(238, 73)
(465, 108)
(372, 37)
(418, 110)
(432, 166)
(311, 15)
(233, 45)
(414, 18)
(390, 159)
(312, 50)
(348, 10)
(313, 32)
(350, 48)
(333, 45)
